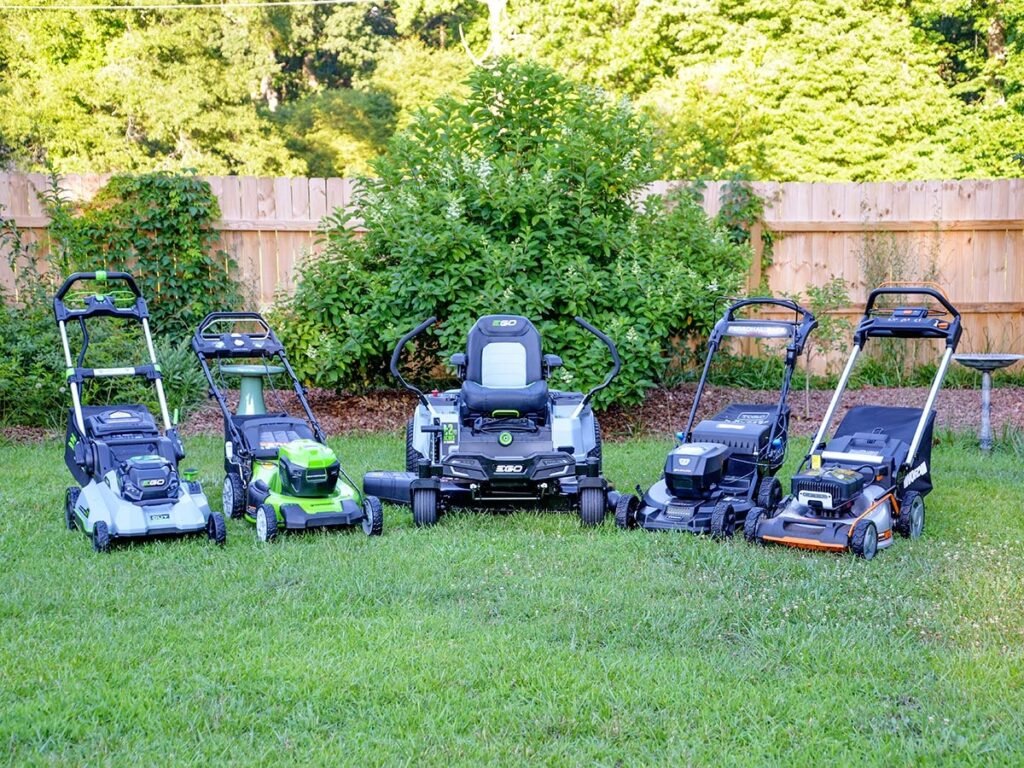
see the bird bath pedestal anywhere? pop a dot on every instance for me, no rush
(986, 363)
(250, 394)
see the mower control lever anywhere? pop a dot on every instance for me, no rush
(398, 353)
(616, 363)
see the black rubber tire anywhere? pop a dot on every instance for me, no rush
(864, 542)
(100, 536)
(424, 507)
(910, 523)
(769, 493)
(412, 456)
(217, 529)
(597, 451)
(750, 525)
(70, 501)
(269, 532)
(625, 511)
(723, 521)
(373, 523)
(593, 506)
(233, 483)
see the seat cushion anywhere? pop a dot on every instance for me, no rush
(532, 399)
(265, 434)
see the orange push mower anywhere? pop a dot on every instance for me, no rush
(871, 478)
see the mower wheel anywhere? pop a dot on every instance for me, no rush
(910, 523)
(233, 496)
(100, 537)
(412, 456)
(625, 511)
(424, 506)
(216, 529)
(723, 521)
(70, 502)
(592, 506)
(769, 493)
(754, 517)
(865, 540)
(373, 522)
(266, 523)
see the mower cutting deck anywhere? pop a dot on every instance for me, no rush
(724, 469)
(503, 439)
(871, 478)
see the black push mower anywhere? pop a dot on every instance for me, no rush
(871, 478)
(725, 467)
(503, 439)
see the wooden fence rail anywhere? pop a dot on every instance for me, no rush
(966, 235)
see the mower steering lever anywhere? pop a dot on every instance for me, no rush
(398, 353)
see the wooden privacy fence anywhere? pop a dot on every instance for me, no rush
(966, 235)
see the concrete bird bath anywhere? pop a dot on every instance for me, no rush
(986, 363)
(250, 394)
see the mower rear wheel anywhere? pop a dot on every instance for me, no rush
(412, 456)
(266, 523)
(754, 517)
(769, 493)
(233, 496)
(424, 506)
(70, 502)
(723, 520)
(100, 536)
(216, 529)
(864, 542)
(625, 511)
(910, 523)
(373, 523)
(593, 506)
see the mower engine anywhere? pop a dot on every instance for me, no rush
(307, 468)
(828, 490)
(143, 478)
(693, 469)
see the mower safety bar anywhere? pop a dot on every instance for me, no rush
(100, 276)
(910, 290)
(218, 317)
(616, 362)
(909, 322)
(398, 353)
(792, 306)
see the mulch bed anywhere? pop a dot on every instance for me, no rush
(664, 411)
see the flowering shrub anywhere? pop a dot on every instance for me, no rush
(524, 198)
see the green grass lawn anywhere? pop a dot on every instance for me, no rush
(511, 639)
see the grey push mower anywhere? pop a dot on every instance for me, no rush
(724, 468)
(127, 469)
(852, 492)
(503, 439)
(279, 473)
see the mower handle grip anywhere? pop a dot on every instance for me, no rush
(100, 275)
(218, 316)
(910, 290)
(762, 300)
(616, 362)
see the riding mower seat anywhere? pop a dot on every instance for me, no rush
(503, 370)
(264, 434)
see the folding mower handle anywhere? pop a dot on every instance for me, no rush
(398, 353)
(216, 317)
(99, 275)
(616, 362)
(910, 290)
(792, 306)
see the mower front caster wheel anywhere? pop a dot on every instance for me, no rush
(754, 518)
(424, 507)
(910, 523)
(625, 511)
(233, 496)
(592, 506)
(266, 523)
(723, 521)
(100, 537)
(216, 530)
(373, 523)
(70, 502)
(865, 540)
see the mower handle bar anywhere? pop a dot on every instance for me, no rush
(398, 353)
(101, 276)
(910, 290)
(214, 317)
(730, 313)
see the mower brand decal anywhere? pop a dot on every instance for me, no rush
(151, 483)
(509, 469)
(729, 426)
(682, 461)
(504, 323)
(919, 471)
(72, 441)
(164, 516)
(448, 433)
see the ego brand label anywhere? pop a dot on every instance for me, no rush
(151, 483)
(509, 469)
(504, 323)
(164, 516)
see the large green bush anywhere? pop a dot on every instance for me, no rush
(524, 197)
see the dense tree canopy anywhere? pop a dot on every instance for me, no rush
(808, 89)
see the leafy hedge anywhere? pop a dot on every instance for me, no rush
(522, 198)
